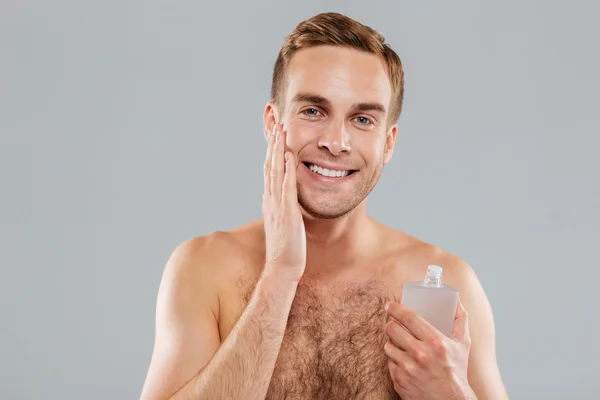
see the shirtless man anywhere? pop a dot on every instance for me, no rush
(293, 305)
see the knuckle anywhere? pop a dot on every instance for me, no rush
(409, 371)
(413, 348)
(438, 347)
(421, 357)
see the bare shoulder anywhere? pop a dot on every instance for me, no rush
(211, 256)
(209, 267)
(415, 254)
(198, 261)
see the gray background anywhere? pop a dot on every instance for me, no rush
(130, 126)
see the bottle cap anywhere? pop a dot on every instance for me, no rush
(434, 270)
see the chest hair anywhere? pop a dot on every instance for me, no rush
(333, 344)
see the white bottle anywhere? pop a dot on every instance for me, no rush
(435, 302)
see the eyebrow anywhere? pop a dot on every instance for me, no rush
(322, 101)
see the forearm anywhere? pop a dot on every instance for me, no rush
(243, 366)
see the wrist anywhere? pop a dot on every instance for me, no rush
(277, 291)
(285, 274)
(279, 283)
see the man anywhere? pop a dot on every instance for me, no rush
(295, 305)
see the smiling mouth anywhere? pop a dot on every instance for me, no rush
(330, 173)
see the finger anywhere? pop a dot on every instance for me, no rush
(394, 373)
(290, 194)
(401, 337)
(402, 368)
(413, 322)
(460, 331)
(267, 165)
(277, 165)
(396, 355)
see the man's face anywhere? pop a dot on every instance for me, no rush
(335, 114)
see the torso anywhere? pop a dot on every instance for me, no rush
(333, 343)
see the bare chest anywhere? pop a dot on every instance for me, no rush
(333, 345)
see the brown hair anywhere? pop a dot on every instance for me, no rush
(339, 30)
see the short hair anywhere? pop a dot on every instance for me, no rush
(335, 29)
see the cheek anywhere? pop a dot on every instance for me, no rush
(370, 145)
(300, 133)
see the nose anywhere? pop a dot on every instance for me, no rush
(336, 139)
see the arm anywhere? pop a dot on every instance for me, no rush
(483, 372)
(187, 353)
(188, 361)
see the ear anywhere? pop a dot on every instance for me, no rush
(390, 141)
(270, 118)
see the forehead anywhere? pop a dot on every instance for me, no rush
(338, 74)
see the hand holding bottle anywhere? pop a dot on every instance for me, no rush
(422, 361)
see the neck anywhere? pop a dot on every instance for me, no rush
(335, 245)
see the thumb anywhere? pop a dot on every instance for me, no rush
(460, 332)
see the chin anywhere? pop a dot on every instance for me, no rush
(326, 209)
(321, 214)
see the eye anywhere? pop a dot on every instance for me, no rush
(364, 121)
(312, 112)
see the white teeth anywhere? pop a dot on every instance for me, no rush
(328, 172)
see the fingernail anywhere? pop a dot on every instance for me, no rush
(387, 306)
